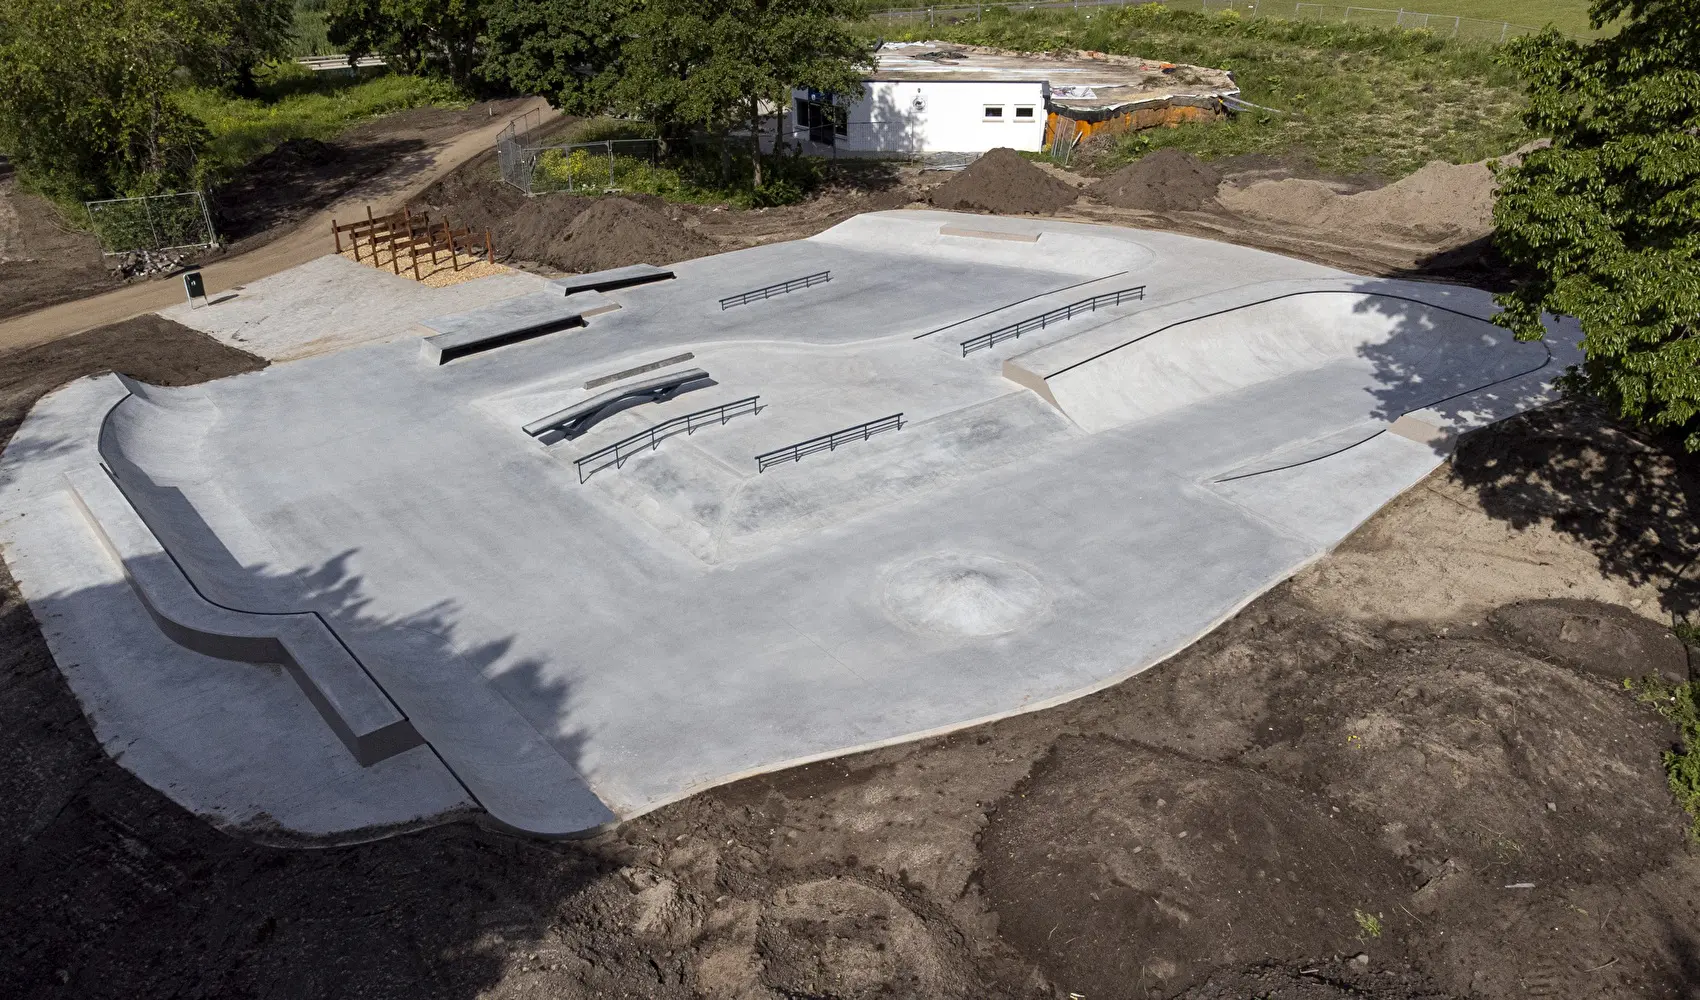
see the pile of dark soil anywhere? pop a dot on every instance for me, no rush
(616, 232)
(1167, 180)
(1003, 183)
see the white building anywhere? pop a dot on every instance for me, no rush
(925, 97)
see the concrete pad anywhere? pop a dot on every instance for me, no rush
(332, 302)
(578, 652)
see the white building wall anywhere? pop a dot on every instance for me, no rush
(944, 116)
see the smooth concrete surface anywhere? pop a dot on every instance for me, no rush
(360, 714)
(578, 653)
(332, 302)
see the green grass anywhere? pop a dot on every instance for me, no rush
(1357, 100)
(1570, 16)
(1680, 704)
(293, 106)
(310, 38)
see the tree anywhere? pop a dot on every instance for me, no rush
(414, 36)
(1605, 224)
(86, 106)
(566, 50)
(724, 64)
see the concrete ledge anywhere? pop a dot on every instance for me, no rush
(355, 708)
(619, 277)
(507, 322)
(988, 234)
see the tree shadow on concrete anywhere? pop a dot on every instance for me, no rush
(1626, 495)
(113, 890)
(1444, 357)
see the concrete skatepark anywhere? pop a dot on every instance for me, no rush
(352, 593)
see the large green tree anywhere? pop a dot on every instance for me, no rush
(438, 37)
(1605, 224)
(725, 64)
(86, 105)
(566, 50)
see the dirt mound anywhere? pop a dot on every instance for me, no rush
(616, 232)
(1201, 864)
(538, 224)
(1168, 180)
(1003, 183)
(1598, 638)
(1440, 202)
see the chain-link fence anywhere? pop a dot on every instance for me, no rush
(177, 221)
(1443, 25)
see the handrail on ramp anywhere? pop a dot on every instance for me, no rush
(1056, 315)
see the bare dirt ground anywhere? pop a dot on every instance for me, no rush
(476, 195)
(1410, 772)
(44, 260)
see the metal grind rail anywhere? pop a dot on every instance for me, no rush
(770, 291)
(653, 436)
(828, 442)
(1056, 315)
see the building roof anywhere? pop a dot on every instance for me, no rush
(1077, 79)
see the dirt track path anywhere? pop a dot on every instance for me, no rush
(307, 241)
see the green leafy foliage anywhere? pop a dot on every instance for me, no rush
(566, 50)
(1606, 222)
(428, 37)
(679, 65)
(1680, 704)
(1350, 99)
(88, 88)
(290, 106)
(86, 104)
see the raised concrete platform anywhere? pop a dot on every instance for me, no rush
(1057, 513)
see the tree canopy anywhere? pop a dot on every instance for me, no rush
(1605, 223)
(711, 65)
(413, 36)
(86, 86)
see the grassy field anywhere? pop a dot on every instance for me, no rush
(293, 105)
(1566, 15)
(1355, 100)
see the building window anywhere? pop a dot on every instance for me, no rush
(994, 112)
(1023, 114)
(823, 117)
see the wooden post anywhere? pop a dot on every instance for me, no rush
(336, 237)
(489, 252)
(415, 255)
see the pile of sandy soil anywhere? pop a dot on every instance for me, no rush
(1442, 202)
(1167, 180)
(1003, 183)
(616, 232)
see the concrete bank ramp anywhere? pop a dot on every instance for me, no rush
(1415, 346)
(361, 676)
